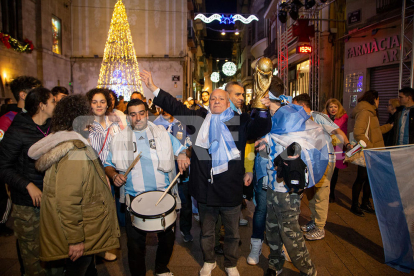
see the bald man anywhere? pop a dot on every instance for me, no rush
(217, 165)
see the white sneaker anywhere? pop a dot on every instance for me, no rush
(243, 222)
(232, 271)
(207, 268)
(256, 250)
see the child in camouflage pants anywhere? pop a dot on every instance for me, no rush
(282, 227)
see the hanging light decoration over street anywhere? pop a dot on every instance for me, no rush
(215, 77)
(229, 68)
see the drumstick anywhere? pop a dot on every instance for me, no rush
(169, 187)
(133, 164)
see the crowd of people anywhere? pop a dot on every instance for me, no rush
(66, 161)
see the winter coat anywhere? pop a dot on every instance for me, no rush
(365, 113)
(77, 203)
(17, 169)
(397, 116)
(226, 188)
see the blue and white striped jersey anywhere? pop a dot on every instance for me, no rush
(145, 176)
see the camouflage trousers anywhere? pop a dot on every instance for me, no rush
(26, 230)
(282, 227)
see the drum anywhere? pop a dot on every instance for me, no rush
(150, 218)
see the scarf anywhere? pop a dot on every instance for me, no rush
(215, 136)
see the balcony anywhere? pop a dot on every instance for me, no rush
(258, 48)
(270, 51)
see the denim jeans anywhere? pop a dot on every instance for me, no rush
(259, 216)
(186, 212)
(230, 220)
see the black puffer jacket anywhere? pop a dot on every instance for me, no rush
(17, 169)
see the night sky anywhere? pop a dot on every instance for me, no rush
(214, 43)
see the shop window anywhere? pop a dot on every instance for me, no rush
(11, 17)
(302, 78)
(354, 82)
(57, 35)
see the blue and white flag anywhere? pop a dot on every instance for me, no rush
(291, 124)
(391, 177)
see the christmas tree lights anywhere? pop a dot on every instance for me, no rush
(119, 69)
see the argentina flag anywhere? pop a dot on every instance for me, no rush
(391, 177)
(291, 124)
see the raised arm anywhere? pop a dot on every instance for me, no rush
(169, 103)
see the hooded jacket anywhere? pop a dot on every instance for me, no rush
(77, 203)
(363, 114)
(17, 169)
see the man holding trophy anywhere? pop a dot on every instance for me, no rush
(217, 164)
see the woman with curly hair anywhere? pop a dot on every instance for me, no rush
(77, 214)
(337, 113)
(102, 131)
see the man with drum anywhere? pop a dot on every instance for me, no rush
(217, 165)
(154, 171)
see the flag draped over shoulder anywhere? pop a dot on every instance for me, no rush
(391, 177)
(291, 124)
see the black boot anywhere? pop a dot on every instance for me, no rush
(357, 211)
(270, 272)
(367, 208)
(5, 231)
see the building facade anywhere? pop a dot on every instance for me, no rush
(69, 39)
(372, 52)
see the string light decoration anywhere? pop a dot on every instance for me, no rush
(119, 69)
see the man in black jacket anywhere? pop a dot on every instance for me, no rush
(404, 118)
(217, 190)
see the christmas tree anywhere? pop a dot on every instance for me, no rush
(119, 70)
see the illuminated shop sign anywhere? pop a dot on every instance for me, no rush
(304, 49)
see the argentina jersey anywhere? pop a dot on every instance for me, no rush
(145, 176)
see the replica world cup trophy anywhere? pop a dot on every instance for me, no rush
(262, 80)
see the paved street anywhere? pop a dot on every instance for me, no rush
(352, 245)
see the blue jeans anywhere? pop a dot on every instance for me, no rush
(230, 220)
(259, 216)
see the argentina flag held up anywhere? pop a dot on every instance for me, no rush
(391, 177)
